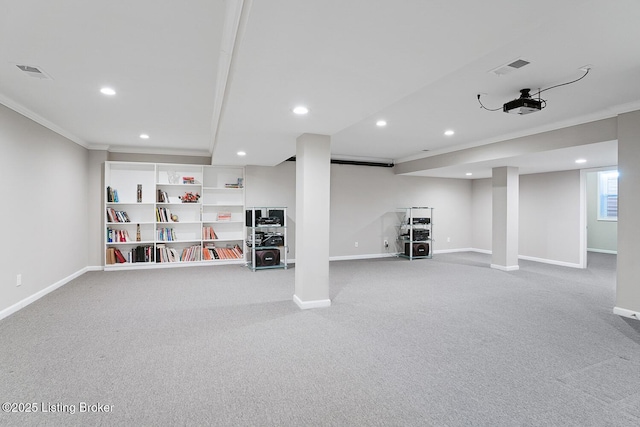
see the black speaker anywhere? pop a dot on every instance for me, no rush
(419, 249)
(267, 257)
(249, 217)
(277, 213)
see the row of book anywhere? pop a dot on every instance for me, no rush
(224, 216)
(163, 215)
(117, 235)
(117, 216)
(166, 234)
(112, 195)
(137, 254)
(211, 252)
(167, 254)
(208, 233)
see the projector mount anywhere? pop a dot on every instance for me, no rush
(525, 104)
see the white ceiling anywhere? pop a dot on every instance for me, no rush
(214, 77)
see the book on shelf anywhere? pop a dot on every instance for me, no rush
(117, 216)
(111, 255)
(208, 233)
(212, 252)
(163, 215)
(119, 257)
(191, 253)
(162, 197)
(166, 234)
(188, 180)
(115, 236)
(224, 216)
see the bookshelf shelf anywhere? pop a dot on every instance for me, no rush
(133, 192)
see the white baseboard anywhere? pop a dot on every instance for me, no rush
(305, 305)
(482, 251)
(505, 268)
(602, 251)
(450, 251)
(365, 256)
(25, 302)
(530, 258)
(626, 313)
(550, 261)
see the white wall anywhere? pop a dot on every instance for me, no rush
(363, 205)
(44, 211)
(481, 214)
(602, 236)
(549, 220)
(550, 216)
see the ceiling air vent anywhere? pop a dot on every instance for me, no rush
(512, 66)
(34, 71)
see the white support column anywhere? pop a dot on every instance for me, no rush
(505, 184)
(313, 169)
(628, 271)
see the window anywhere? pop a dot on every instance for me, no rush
(608, 195)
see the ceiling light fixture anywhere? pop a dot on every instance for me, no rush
(241, 153)
(144, 136)
(449, 132)
(107, 91)
(581, 161)
(381, 123)
(301, 110)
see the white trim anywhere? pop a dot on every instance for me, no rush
(21, 109)
(551, 261)
(507, 268)
(25, 302)
(450, 251)
(95, 268)
(602, 251)
(305, 305)
(626, 313)
(365, 256)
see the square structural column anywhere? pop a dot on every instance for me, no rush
(313, 193)
(628, 267)
(506, 194)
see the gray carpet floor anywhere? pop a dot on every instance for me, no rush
(441, 342)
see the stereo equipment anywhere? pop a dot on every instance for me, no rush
(273, 239)
(419, 249)
(421, 220)
(277, 213)
(249, 217)
(259, 238)
(420, 234)
(267, 257)
(270, 220)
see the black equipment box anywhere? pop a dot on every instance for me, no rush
(269, 220)
(259, 238)
(273, 239)
(267, 257)
(419, 249)
(420, 234)
(421, 220)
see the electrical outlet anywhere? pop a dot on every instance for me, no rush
(386, 243)
(19, 280)
(448, 239)
(356, 244)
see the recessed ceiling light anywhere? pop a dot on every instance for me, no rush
(449, 132)
(381, 123)
(144, 136)
(107, 91)
(468, 174)
(241, 153)
(301, 110)
(581, 161)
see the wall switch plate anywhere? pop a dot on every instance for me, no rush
(356, 244)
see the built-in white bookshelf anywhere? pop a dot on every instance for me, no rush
(161, 214)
